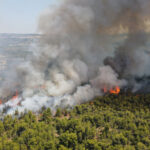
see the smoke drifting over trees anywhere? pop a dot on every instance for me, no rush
(73, 62)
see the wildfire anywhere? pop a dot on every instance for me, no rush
(15, 96)
(105, 90)
(115, 90)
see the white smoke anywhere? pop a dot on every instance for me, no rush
(67, 67)
(107, 78)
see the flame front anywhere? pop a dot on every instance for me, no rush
(105, 89)
(116, 90)
(16, 96)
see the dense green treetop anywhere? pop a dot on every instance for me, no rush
(111, 122)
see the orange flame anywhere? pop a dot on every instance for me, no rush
(105, 89)
(115, 91)
(16, 96)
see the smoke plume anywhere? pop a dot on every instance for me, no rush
(74, 61)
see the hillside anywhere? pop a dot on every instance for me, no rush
(111, 122)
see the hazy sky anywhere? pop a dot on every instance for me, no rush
(21, 16)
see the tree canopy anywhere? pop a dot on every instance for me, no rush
(111, 122)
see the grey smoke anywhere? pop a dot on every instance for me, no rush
(74, 60)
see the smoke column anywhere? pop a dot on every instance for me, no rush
(74, 62)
